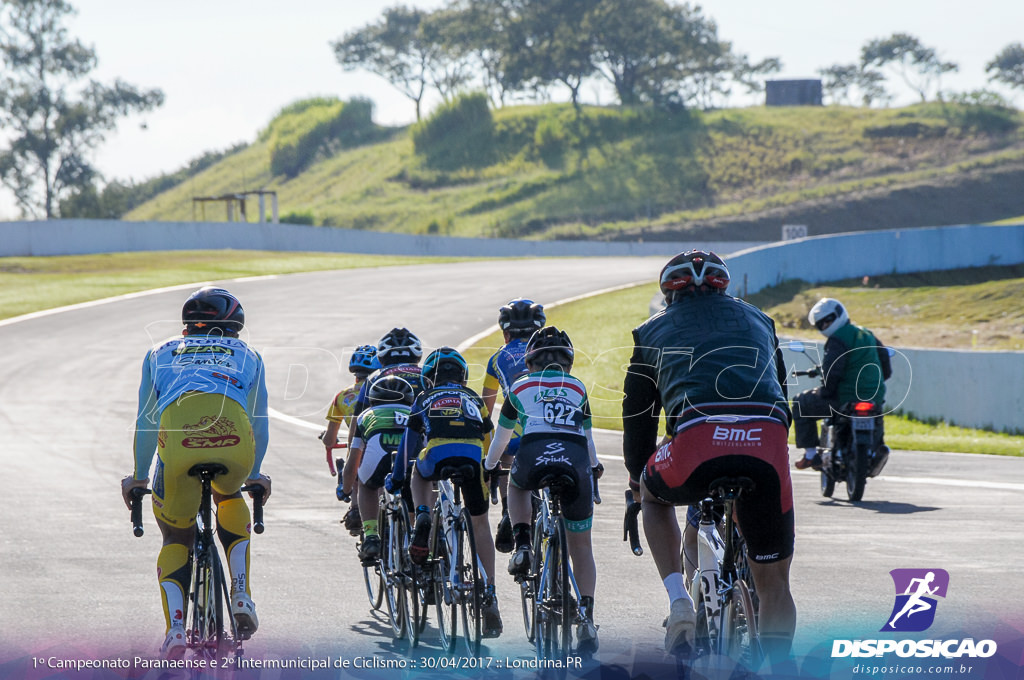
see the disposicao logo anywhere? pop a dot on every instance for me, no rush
(916, 590)
(913, 612)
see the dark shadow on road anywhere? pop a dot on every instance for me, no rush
(881, 507)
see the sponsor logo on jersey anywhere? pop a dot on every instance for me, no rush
(202, 349)
(211, 432)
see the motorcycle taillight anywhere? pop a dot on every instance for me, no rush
(863, 407)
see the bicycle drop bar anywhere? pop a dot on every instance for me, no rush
(338, 444)
(256, 491)
(630, 530)
(597, 493)
(137, 495)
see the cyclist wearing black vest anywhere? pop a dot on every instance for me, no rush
(712, 362)
(855, 366)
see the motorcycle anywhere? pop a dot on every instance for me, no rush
(850, 444)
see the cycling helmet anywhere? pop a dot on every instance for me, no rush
(445, 364)
(399, 344)
(549, 346)
(213, 308)
(828, 316)
(521, 317)
(363, 361)
(390, 390)
(695, 271)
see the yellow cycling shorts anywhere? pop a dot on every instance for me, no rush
(199, 428)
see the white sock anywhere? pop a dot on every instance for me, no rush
(676, 588)
(810, 453)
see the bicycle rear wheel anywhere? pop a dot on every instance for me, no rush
(552, 615)
(445, 597)
(471, 586)
(739, 627)
(205, 629)
(528, 583)
(420, 586)
(394, 534)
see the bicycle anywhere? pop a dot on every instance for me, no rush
(549, 593)
(453, 565)
(721, 588)
(394, 566)
(205, 631)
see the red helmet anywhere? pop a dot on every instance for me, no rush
(693, 271)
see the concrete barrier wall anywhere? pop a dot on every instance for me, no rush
(898, 251)
(79, 237)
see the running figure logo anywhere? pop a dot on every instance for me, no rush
(916, 590)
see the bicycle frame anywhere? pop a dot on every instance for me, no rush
(548, 542)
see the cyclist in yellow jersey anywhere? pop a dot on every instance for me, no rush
(362, 363)
(202, 399)
(518, 320)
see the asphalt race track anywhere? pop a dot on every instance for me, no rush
(75, 581)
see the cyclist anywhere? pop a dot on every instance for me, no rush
(855, 366)
(712, 362)
(362, 363)
(552, 410)
(518, 320)
(202, 399)
(378, 432)
(449, 425)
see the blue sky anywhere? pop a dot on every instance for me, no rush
(227, 67)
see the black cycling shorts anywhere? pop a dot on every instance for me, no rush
(539, 456)
(474, 497)
(681, 471)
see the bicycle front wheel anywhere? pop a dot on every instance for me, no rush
(552, 613)
(471, 586)
(739, 627)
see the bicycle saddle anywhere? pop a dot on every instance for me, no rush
(557, 482)
(209, 469)
(458, 473)
(730, 487)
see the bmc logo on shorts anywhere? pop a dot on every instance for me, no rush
(736, 434)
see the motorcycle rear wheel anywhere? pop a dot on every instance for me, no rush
(857, 473)
(828, 485)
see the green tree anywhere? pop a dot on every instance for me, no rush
(396, 49)
(839, 82)
(652, 51)
(918, 66)
(1008, 66)
(51, 119)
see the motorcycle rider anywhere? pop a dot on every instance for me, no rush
(855, 368)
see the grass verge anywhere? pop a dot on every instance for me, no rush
(605, 321)
(29, 284)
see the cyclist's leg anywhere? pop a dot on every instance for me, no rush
(374, 465)
(689, 555)
(474, 497)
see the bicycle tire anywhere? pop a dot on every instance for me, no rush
(471, 585)
(445, 598)
(205, 629)
(540, 614)
(528, 583)
(394, 537)
(740, 640)
(566, 617)
(552, 608)
(419, 583)
(702, 636)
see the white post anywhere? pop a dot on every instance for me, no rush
(231, 209)
(273, 206)
(263, 208)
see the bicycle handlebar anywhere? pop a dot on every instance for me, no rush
(810, 372)
(597, 493)
(256, 491)
(495, 475)
(137, 495)
(630, 529)
(338, 444)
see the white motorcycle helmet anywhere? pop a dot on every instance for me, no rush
(828, 316)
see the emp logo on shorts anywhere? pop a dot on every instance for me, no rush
(916, 590)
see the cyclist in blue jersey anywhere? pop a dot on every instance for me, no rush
(449, 425)
(202, 399)
(518, 320)
(552, 410)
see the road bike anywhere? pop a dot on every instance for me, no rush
(722, 588)
(208, 632)
(454, 568)
(395, 567)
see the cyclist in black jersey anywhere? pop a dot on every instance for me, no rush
(712, 363)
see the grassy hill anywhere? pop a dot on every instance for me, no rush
(554, 172)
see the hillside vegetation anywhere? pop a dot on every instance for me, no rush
(554, 171)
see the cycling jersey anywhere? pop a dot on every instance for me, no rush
(545, 403)
(343, 407)
(505, 366)
(178, 369)
(378, 432)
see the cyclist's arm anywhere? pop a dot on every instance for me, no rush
(408, 450)
(146, 429)
(352, 465)
(260, 420)
(884, 360)
(641, 406)
(502, 436)
(833, 365)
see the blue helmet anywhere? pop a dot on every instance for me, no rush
(363, 361)
(445, 364)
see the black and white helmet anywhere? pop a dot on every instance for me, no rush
(521, 317)
(549, 346)
(212, 308)
(390, 390)
(828, 316)
(399, 345)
